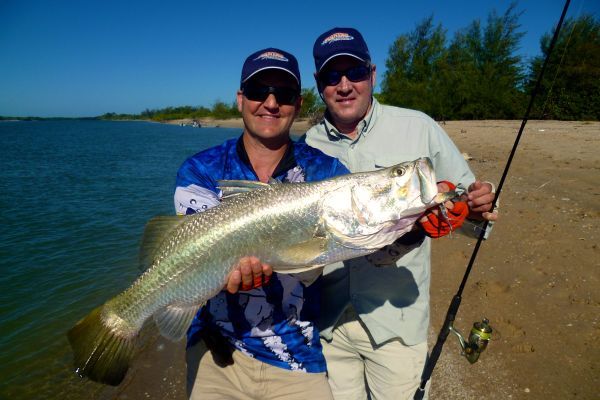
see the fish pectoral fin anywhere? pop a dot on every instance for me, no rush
(174, 321)
(231, 188)
(303, 253)
(155, 232)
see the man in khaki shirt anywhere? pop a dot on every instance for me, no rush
(375, 309)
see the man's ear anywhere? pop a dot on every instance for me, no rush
(319, 89)
(373, 75)
(239, 98)
(298, 106)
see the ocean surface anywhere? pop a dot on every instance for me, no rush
(74, 197)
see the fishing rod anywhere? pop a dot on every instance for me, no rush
(481, 332)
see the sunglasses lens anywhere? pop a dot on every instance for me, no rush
(330, 78)
(256, 93)
(358, 74)
(283, 95)
(354, 74)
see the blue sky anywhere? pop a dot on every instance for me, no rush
(86, 58)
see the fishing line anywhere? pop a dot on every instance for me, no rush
(562, 58)
(455, 303)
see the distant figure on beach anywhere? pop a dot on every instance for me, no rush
(257, 339)
(375, 309)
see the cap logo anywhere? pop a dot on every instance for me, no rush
(271, 55)
(337, 37)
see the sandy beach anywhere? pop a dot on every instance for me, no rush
(536, 279)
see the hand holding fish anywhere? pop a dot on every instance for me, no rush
(248, 274)
(479, 199)
(294, 227)
(440, 221)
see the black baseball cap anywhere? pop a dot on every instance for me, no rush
(270, 58)
(337, 42)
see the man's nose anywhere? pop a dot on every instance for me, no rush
(271, 101)
(345, 85)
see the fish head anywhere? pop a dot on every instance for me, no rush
(379, 206)
(393, 193)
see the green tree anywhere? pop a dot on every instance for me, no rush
(477, 76)
(570, 89)
(221, 110)
(484, 73)
(411, 79)
(312, 105)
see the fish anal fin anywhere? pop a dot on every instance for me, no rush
(173, 321)
(154, 233)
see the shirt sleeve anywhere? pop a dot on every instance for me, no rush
(339, 168)
(450, 165)
(448, 162)
(195, 190)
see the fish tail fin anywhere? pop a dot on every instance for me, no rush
(100, 353)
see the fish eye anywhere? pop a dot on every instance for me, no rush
(398, 171)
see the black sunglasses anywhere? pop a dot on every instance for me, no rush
(284, 95)
(354, 74)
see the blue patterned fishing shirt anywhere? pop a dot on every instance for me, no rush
(274, 323)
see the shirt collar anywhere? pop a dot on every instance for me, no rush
(363, 128)
(287, 162)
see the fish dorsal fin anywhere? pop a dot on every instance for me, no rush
(273, 181)
(173, 321)
(231, 188)
(154, 233)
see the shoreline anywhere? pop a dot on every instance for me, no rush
(299, 127)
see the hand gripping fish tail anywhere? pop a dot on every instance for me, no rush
(293, 227)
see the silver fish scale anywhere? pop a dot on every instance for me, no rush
(280, 224)
(193, 262)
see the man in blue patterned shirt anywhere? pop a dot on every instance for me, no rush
(262, 340)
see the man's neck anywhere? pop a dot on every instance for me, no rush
(264, 155)
(349, 129)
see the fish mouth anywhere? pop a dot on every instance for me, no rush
(443, 197)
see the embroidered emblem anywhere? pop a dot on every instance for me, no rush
(336, 37)
(272, 55)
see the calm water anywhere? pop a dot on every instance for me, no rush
(74, 198)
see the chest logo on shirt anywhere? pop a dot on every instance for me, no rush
(295, 174)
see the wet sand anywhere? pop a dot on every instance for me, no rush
(536, 279)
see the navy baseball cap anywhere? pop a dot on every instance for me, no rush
(340, 42)
(270, 58)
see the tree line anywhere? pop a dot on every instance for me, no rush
(477, 74)
(219, 110)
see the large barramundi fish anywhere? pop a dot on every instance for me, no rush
(293, 227)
